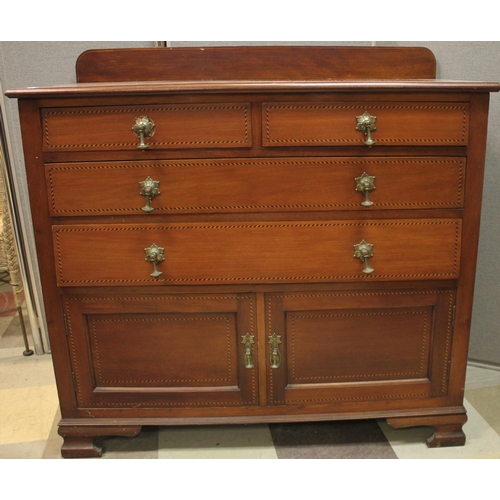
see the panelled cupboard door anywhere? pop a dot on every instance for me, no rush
(355, 346)
(168, 351)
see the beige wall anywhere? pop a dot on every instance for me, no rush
(47, 63)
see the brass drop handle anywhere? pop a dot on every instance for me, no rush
(155, 254)
(366, 124)
(365, 184)
(149, 189)
(275, 356)
(143, 127)
(248, 359)
(363, 251)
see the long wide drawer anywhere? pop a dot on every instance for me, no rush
(254, 185)
(224, 125)
(338, 124)
(266, 252)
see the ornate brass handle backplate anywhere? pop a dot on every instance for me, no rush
(155, 254)
(248, 359)
(366, 124)
(365, 184)
(363, 251)
(143, 127)
(149, 189)
(275, 356)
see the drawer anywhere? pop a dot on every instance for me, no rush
(249, 185)
(335, 124)
(266, 252)
(175, 126)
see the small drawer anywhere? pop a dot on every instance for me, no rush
(341, 124)
(225, 125)
(265, 252)
(250, 185)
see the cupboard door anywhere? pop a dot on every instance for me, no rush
(169, 351)
(354, 346)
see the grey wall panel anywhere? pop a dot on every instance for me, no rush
(221, 44)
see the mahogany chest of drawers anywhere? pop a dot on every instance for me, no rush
(256, 235)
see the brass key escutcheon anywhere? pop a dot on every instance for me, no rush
(275, 357)
(149, 189)
(143, 127)
(365, 184)
(363, 251)
(366, 124)
(154, 254)
(248, 359)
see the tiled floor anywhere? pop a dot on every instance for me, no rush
(29, 415)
